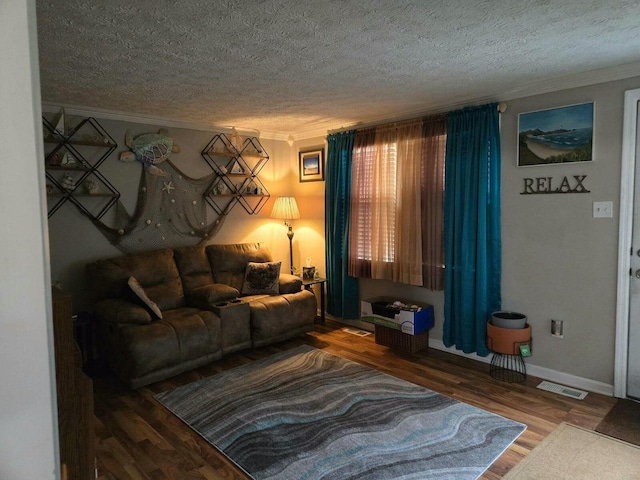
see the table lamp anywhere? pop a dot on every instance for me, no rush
(286, 209)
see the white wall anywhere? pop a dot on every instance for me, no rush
(28, 430)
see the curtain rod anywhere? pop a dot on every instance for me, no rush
(501, 107)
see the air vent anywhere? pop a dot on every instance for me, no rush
(562, 390)
(359, 333)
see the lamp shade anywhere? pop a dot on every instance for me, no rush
(285, 208)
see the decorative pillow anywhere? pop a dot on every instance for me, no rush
(139, 292)
(261, 278)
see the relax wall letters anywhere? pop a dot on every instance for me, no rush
(546, 185)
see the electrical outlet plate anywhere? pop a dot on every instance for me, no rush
(557, 328)
(602, 209)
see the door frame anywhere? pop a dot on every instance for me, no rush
(629, 140)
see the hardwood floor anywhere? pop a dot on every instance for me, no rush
(137, 438)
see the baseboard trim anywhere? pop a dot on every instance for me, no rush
(352, 323)
(571, 380)
(534, 370)
(541, 372)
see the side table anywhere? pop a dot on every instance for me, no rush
(307, 284)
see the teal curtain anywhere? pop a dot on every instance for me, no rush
(473, 262)
(342, 290)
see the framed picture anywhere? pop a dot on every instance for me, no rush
(312, 165)
(556, 136)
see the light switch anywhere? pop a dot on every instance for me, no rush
(602, 209)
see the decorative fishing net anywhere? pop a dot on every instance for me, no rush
(171, 211)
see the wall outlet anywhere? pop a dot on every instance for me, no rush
(602, 209)
(557, 328)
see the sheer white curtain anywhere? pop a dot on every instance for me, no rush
(383, 204)
(362, 198)
(407, 265)
(433, 168)
(390, 201)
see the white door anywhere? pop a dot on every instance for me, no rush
(633, 365)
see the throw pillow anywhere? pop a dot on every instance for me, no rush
(139, 292)
(261, 278)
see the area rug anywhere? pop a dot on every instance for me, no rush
(305, 414)
(571, 452)
(622, 422)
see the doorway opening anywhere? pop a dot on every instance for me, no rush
(627, 183)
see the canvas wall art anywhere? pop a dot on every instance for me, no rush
(311, 165)
(556, 135)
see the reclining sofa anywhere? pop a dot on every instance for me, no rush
(164, 312)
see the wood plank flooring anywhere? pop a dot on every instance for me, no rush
(139, 439)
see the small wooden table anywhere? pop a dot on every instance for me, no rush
(308, 283)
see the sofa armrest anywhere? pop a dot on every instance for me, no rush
(289, 283)
(116, 310)
(211, 294)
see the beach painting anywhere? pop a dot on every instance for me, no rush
(312, 165)
(556, 136)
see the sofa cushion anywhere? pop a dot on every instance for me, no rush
(262, 277)
(182, 335)
(193, 266)
(278, 317)
(214, 293)
(229, 262)
(141, 296)
(156, 271)
(290, 283)
(107, 280)
(116, 310)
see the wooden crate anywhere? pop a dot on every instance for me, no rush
(392, 338)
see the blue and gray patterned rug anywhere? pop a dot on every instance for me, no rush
(305, 414)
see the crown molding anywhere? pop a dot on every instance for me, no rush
(307, 134)
(273, 135)
(142, 118)
(540, 87)
(107, 114)
(574, 80)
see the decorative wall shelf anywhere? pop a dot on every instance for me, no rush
(72, 164)
(236, 172)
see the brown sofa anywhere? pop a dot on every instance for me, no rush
(197, 291)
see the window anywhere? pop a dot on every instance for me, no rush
(396, 203)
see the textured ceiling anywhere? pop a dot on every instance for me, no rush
(294, 67)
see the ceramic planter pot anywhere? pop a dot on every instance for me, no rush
(507, 340)
(504, 319)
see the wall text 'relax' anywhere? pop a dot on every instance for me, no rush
(546, 185)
